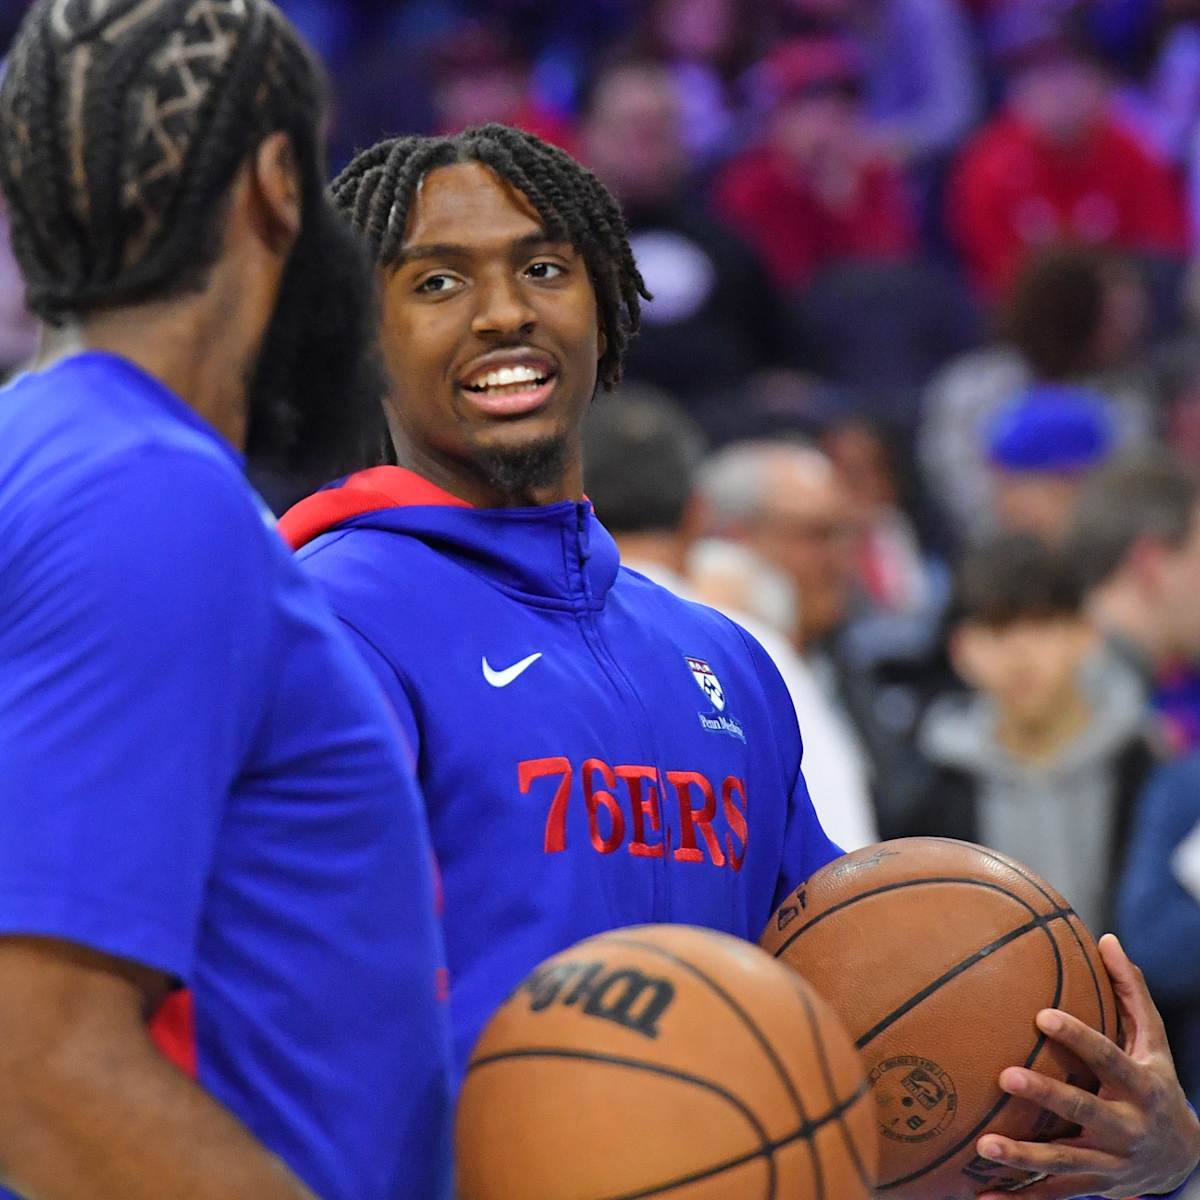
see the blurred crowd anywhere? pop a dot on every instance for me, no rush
(917, 398)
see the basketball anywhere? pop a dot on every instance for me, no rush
(665, 1061)
(937, 955)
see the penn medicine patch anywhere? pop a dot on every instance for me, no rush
(707, 681)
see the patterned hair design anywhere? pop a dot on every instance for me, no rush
(122, 124)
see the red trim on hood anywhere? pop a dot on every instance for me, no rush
(366, 492)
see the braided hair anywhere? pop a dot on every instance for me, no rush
(122, 125)
(375, 193)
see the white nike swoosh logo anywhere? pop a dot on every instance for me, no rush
(499, 679)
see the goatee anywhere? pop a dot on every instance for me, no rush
(519, 472)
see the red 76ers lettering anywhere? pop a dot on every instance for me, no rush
(624, 808)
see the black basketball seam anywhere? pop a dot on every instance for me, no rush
(804, 1133)
(1032, 879)
(998, 1107)
(827, 1072)
(766, 1148)
(750, 1024)
(1039, 922)
(895, 887)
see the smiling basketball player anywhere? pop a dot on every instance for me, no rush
(594, 751)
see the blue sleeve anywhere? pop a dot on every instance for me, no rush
(806, 846)
(133, 616)
(393, 688)
(1157, 919)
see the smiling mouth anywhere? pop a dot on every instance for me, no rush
(510, 391)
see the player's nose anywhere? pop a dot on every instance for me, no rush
(502, 309)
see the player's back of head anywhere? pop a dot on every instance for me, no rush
(122, 125)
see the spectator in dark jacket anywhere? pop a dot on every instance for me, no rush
(1044, 759)
(1158, 907)
(715, 318)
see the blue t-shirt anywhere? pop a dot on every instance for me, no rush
(197, 773)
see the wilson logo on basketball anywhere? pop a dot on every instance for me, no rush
(627, 997)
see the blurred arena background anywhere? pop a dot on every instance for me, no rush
(924, 271)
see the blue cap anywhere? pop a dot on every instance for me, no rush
(1049, 428)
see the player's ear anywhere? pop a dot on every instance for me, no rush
(275, 192)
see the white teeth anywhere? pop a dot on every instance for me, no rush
(505, 377)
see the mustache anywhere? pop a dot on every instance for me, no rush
(316, 390)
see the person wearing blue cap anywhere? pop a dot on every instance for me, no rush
(1041, 447)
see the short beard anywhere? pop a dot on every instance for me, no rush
(316, 391)
(520, 471)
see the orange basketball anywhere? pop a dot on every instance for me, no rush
(664, 1061)
(937, 955)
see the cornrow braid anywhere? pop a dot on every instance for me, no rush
(122, 125)
(375, 193)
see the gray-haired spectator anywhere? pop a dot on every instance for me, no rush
(640, 457)
(787, 503)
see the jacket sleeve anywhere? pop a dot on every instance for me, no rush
(1158, 919)
(393, 688)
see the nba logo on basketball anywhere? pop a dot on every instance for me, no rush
(924, 1087)
(710, 685)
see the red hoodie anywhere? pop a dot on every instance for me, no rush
(1013, 191)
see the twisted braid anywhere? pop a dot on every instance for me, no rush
(375, 193)
(122, 124)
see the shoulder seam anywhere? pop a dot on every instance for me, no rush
(403, 682)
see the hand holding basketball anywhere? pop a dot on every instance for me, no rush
(1138, 1133)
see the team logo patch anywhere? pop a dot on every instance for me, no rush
(717, 720)
(708, 682)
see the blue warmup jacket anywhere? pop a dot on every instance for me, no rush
(594, 751)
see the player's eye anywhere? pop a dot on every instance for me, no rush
(545, 270)
(435, 285)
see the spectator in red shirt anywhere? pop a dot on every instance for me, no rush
(814, 192)
(1055, 165)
